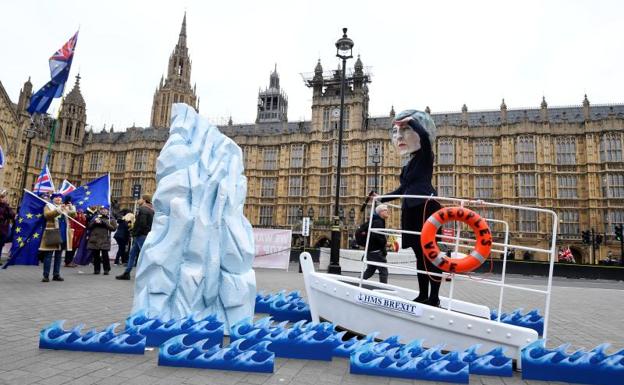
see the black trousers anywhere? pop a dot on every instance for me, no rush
(69, 256)
(100, 257)
(376, 256)
(425, 281)
(122, 251)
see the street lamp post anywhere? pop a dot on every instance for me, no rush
(344, 51)
(30, 132)
(376, 161)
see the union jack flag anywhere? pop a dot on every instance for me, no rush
(44, 182)
(66, 187)
(63, 57)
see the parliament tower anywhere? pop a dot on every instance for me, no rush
(176, 88)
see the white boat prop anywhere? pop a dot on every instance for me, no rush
(363, 306)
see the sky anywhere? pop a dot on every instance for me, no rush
(440, 54)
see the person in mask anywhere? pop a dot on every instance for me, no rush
(413, 133)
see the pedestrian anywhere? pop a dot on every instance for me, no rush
(377, 245)
(142, 227)
(7, 220)
(55, 236)
(99, 242)
(413, 134)
(122, 237)
(79, 227)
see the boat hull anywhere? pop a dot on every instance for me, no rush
(388, 310)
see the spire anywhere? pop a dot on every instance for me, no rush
(75, 96)
(274, 80)
(503, 106)
(544, 104)
(586, 113)
(392, 113)
(464, 108)
(428, 110)
(230, 121)
(585, 101)
(182, 38)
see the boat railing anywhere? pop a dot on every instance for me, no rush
(499, 248)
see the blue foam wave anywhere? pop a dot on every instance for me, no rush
(585, 367)
(532, 319)
(157, 331)
(409, 361)
(56, 337)
(180, 351)
(492, 363)
(284, 307)
(303, 340)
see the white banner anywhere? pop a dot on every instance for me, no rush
(272, 248)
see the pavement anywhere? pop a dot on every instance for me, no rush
(583, 313)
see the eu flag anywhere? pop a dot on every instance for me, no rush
(94, 193)
(29, 226)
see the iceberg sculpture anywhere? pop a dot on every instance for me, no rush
(197, 258)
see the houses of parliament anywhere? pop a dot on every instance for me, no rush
(568, 159)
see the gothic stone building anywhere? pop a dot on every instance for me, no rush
(568, 159)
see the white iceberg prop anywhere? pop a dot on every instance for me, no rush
(197, 259)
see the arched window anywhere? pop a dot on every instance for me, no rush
(525, 149)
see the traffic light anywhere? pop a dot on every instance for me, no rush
(598, 239)
(618, 232)
(586, 237)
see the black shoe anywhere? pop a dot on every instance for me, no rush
(420, 299)
(58, 278)
(45, 279)
(106, 273)
(435, 302)
(125, 276)
(96, 272)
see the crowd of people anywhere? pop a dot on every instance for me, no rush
(82, 237)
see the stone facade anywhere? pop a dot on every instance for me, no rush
(568, 159)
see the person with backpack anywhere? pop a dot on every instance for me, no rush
(142, 227)
(413, 133)
(377, 245)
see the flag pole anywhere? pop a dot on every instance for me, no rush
(53, 132)
(46, 202)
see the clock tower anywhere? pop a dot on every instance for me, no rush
(326, 99)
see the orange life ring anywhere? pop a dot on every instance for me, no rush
(470, 261)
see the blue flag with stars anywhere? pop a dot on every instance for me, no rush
(94, 193)
(28, 231)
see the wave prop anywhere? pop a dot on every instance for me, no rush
(284, 306)
(157, 331)
(263, 301)
(492, 363)
(584, 367)
(56, 337)
(409, 361)
(532, 319)
(180, 351)
(303, 340)
(345, 348)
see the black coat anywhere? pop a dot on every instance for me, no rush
(143, 223)
(415, 179)
(123, 231)
(377, 241)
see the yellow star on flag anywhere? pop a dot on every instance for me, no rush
(36, 235)
(81, 203)
(18, 229)
(86, 198)
(20, 239)
(20, 219)
(88, 193)
(21, 244)
(39, 215)
(86, 187)
(29, 216)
